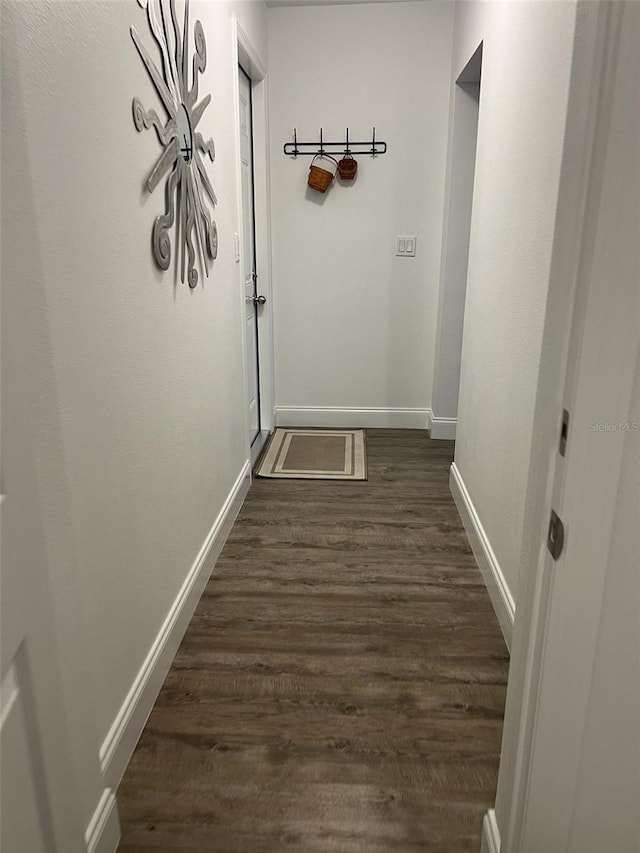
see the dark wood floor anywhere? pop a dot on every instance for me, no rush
(342, 683)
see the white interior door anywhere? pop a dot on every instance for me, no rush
(583, 774)
(39, 807)
(251, 298)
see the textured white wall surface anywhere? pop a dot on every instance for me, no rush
(525, 76)
(135, 383)
(354, 325)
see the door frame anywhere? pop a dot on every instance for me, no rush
(591, 77)
(249, 262)
(464, 123)
(245, 55)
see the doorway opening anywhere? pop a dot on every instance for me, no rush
(253, 242)
(455, 251)
(252, 300)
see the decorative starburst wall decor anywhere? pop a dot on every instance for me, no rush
(187, 188)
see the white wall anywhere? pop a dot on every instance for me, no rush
(136, 385)
(525, 76)
(354, 325)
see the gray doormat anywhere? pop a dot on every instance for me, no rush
(315, 454)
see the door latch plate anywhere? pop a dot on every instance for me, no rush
(564, 432)
(555, 538)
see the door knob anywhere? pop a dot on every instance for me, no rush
(259, 300)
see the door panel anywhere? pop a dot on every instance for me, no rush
(25, 817)
(581, 788)
(40, 806)
(249, 255)
(39, 801)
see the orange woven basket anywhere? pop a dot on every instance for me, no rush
(320, 179)
(347, 168)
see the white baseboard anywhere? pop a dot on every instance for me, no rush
(381, 418)
(441, 427)
(103, 833)
(130, 720)
(490, 833)
(497, 586)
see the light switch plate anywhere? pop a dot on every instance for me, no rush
(236, 247)
(406, 246)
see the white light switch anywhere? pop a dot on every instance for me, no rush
(406, 247)
(236, 247)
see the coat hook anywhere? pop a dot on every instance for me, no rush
(295, 148)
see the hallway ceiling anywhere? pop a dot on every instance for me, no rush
(272, 3)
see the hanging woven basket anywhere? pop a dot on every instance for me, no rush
(320, 178)
(347, 168)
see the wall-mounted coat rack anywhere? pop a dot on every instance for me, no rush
(373, 146)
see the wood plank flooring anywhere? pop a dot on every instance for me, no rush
(341, 686)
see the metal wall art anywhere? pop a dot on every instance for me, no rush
(187, 186)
